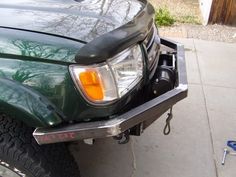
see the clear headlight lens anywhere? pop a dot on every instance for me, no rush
(127, 68)
(111, 80)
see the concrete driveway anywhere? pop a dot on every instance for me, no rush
(201, 126)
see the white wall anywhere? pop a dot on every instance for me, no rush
(205, 6)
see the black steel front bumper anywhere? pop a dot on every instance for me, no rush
(145, 113)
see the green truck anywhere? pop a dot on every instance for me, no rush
(80, 70)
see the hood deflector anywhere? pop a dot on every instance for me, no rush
(107, 45)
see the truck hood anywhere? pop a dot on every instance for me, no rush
(78, 19)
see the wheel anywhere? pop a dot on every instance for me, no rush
(21, 156)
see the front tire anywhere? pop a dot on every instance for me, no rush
(21, 154)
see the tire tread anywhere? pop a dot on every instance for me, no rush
(20, 149)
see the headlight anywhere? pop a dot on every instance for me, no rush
(112, 79)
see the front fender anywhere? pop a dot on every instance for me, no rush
(27, 105)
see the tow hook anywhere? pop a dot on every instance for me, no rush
(167, 127)
(123, 138)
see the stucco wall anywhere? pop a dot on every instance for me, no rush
(205, 6)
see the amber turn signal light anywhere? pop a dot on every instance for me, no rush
(92, 85)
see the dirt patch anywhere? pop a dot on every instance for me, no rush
(190, 8)
(211, 32)
(183, 10)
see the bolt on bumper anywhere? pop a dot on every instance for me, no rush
(146, 113)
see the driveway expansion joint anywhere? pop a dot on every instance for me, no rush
(207, 112)
(134, 165)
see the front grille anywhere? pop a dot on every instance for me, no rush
(153, 47)
(149, 39)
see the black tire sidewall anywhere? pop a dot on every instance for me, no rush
(20, 153)
(14, 166)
